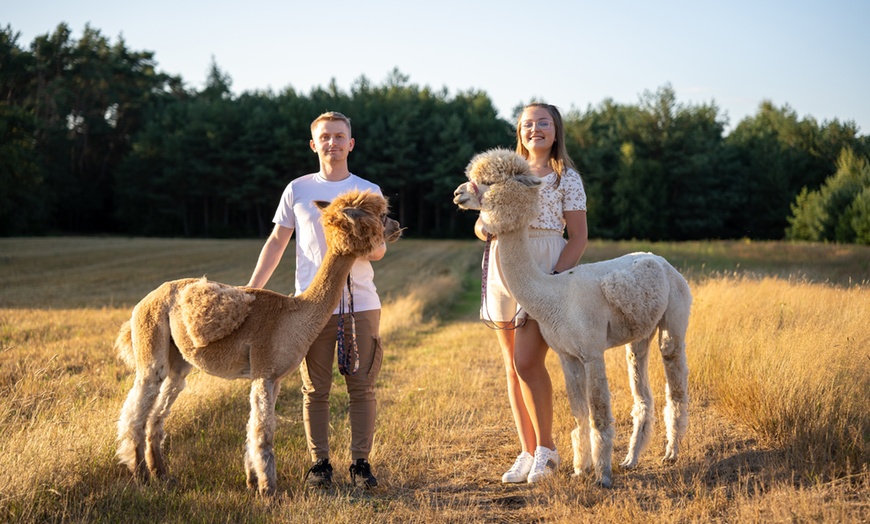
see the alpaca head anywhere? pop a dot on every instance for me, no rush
(356, 222)
(502, 187)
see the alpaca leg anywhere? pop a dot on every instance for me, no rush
(169, 391)
(250, 470)
(643, 412)
(575, 383)
(150, 347)
(250, 474)
(127, 442)
(133, 419)
(600, 420)
(259, 457)
(673, 348)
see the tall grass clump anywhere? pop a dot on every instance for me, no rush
(790, 360)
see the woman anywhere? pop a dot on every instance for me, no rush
(541, 141)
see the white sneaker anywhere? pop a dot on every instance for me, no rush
(546, 463)
(519, 472)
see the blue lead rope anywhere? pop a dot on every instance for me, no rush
(348, 361)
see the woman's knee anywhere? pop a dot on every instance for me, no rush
(530, 362)
(527, 366)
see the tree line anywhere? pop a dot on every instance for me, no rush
(95, 139)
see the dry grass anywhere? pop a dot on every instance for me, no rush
(796, 356)
(779, 377)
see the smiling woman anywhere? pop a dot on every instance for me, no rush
(540, 147)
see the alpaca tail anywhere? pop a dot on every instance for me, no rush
(124, 345)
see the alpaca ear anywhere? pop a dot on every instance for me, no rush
(528, 180)
(353, 213)
(320, 204)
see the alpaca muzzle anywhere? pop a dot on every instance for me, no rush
(392, 229)
(465, 194)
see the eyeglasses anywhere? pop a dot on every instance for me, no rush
(540, 124)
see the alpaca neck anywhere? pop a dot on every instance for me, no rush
(527, 282)
(324, 293)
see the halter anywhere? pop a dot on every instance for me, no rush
(476, 190)
(348, 361)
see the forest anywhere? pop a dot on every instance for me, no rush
(95, 139)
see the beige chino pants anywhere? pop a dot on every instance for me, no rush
(317, 373)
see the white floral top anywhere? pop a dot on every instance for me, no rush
(569, 196)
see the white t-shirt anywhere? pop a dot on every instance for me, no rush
(296, 211)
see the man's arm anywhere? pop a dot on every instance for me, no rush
(270, 255)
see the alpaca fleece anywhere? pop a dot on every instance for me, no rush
(510, 204)
(496, 165)
(234, 332)
(640, 293)
(584, 311)
(211, 310)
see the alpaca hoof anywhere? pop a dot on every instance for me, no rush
(628, 464)
(581, 472)
(252, 484)
(142, 474)
(604, 483)
(267, 493)
(159, 474)
(267, 489)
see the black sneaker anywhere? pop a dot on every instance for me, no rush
(320, 474)
(363, 469)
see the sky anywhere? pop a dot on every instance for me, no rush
(812, 56)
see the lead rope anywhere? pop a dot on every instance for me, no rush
(484, 277)
(348, 361)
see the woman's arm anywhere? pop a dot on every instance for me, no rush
(575, 224)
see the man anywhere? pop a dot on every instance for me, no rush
(331, 140)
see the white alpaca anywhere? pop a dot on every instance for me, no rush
(586, 310)
(233, 332)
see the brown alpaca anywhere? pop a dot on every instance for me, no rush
(236, 332)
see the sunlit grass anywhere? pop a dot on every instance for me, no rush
(791, 361)
(779, 381)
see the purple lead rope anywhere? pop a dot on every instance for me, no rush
(348, 361)
(485, 273)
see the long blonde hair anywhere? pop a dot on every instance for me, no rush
(559, 161)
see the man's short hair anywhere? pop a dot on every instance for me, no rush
(331, 116)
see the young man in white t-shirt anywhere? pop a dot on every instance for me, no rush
(331, 140)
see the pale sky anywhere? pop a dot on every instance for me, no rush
(813, 56)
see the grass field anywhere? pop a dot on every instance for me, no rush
(779, 360)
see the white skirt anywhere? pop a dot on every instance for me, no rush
(499, 305)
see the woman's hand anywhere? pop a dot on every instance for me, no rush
(480, 231)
